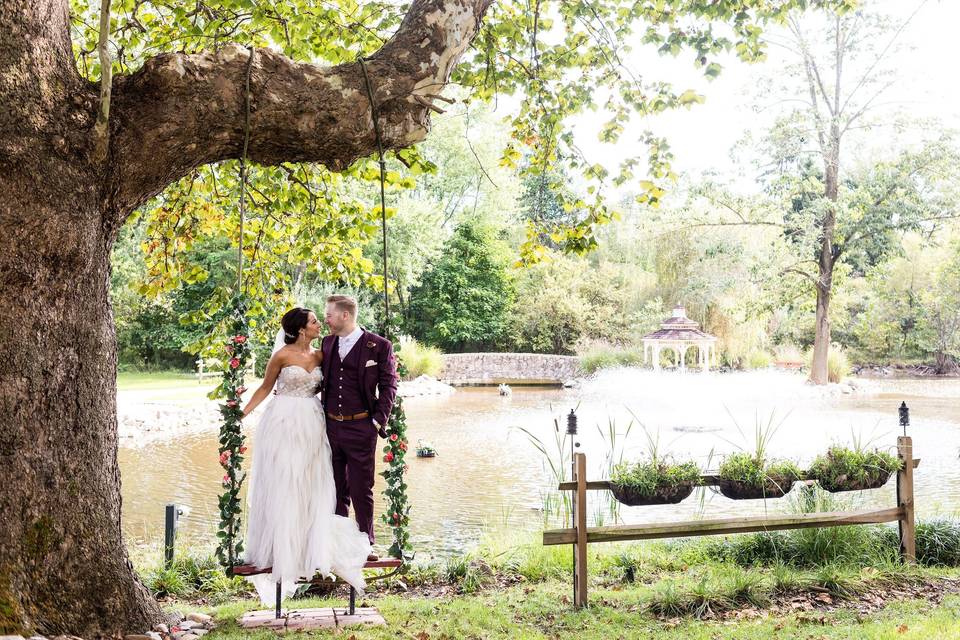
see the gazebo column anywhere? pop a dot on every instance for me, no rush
(683, 358)
(656, 357)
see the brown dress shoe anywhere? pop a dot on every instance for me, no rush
(372, 557)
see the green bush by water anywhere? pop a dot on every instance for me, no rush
(607, 356)
(420, 359)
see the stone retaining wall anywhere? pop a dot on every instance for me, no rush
(508, 368)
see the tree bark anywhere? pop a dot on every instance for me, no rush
(63, 564)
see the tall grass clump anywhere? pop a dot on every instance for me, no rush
(420, 359)
(193, 574)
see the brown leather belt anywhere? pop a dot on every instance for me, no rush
(342, 418)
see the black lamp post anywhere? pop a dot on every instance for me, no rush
(904, 417)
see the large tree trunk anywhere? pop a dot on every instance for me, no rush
(63, 564)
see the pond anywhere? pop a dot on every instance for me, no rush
(488, 477)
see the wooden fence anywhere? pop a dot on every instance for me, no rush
(579, 535)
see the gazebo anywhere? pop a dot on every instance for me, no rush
(679, 333)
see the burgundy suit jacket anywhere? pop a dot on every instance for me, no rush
(378, 383)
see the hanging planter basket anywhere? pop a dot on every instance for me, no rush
(846, 469)
(774, 487)
(844, 483)
(632, 497)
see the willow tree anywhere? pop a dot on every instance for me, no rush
(80, 152)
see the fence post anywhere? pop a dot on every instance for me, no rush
(580, 546)
(908, 550)
(169, 534)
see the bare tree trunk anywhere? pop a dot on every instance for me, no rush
(63, 565)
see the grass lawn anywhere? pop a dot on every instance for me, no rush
(137, 380)
(543, 611)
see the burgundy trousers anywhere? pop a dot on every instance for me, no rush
(354, 446)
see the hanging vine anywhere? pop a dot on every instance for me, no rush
(237, 354)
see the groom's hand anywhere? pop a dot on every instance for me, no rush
(381, 431)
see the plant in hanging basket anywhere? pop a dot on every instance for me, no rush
(853, 469)
(744, 476)
(751, 475)
(653, 481)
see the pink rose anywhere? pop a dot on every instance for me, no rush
(226, 479)
(394, 438)
(234, 363)
(240, 339)
(231, 403)
(242, 450)
(241, 390)
(224, 457)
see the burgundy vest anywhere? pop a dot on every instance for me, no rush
(343, 383)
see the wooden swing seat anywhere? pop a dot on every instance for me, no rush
(382, 563)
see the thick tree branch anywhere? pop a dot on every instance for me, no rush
(181, 111)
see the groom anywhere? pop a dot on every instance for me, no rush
(358, 389)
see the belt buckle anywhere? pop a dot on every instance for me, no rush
(338, 417)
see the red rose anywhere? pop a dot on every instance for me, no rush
(234, 363)
(394, 438)
(242, 450)
(396, 516)
(388, 457)
(240, 339)
(403, 446)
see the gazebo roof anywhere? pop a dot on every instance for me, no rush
(679, 328)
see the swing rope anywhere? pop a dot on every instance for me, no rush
(383, 194)
(243, 169)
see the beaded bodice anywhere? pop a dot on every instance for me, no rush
(296, 381)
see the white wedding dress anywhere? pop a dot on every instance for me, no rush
(292, 526)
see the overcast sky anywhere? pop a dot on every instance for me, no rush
(926, 86)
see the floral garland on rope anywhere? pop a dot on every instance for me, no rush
(397, 514)
(231, 450)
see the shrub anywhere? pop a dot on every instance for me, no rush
(419, 359)
(759, 360)
(853, 468)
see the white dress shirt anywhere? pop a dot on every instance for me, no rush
(346, 342)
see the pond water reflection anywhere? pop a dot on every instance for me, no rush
(487, 475)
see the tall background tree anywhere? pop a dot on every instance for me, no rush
(78, 156)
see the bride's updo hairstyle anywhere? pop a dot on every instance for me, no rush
(292, 321)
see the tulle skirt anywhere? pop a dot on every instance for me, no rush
(291, 524)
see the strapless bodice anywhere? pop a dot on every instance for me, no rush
(296, 381)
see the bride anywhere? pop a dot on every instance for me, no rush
(292, 526)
